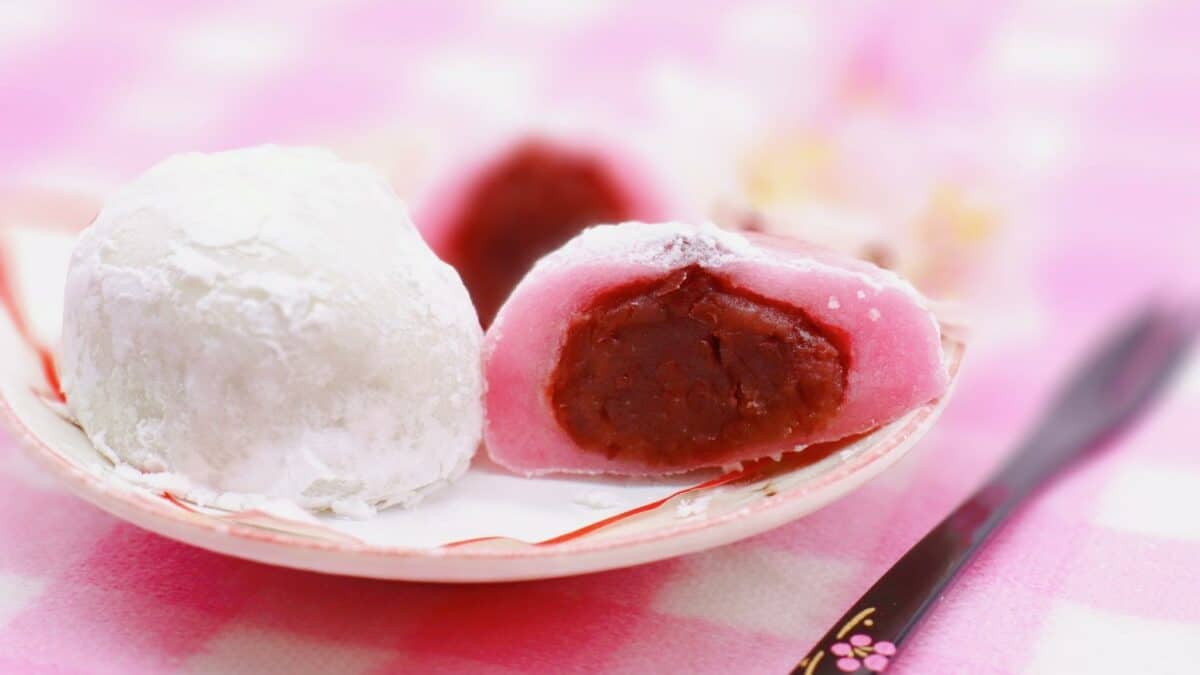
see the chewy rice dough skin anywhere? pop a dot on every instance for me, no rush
(529, 201)
(643, 349)
(267, 323)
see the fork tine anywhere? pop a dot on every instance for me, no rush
(1180, 333)
(1104, 363)
(1145, 372)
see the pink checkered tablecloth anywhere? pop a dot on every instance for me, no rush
(1089, 110)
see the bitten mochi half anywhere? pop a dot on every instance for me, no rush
(650, 349)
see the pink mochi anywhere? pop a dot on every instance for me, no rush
(894, 362)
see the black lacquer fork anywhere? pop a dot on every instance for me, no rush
(1128, 370)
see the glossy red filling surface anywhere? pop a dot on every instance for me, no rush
(527, 205)
(687, 367)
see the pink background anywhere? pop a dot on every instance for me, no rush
(1081, 119)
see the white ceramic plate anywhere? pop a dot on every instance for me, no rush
(489, 526)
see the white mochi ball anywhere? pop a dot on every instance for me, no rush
(268, 322)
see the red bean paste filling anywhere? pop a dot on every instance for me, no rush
(527, 205)
(687, 368)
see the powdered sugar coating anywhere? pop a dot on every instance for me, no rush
(267, 321)
(672, 245)
(895, 364)
(662, 245)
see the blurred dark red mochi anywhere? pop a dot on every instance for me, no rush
(523, 205)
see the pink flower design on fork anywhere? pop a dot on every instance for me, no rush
(861, 652)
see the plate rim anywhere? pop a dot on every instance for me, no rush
(587, 554)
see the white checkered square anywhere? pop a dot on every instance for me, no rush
(759, 590)
(16, 592)
(241, 648)
(1150, 499)
(1078, 639)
